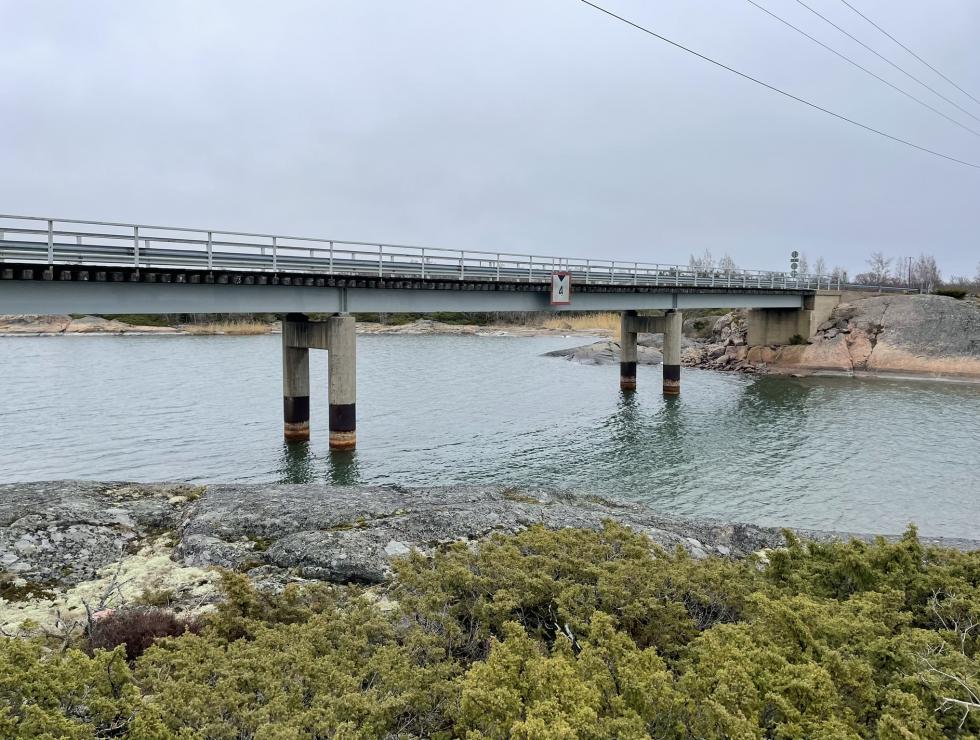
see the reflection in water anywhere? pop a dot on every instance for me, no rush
(300, 464)
(343, 468)
(297, 463)
(770, 396)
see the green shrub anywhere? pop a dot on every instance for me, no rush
(549, 635)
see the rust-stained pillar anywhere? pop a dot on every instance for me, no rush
(627, 352)
(341, 380)
(295, 382)
(673, 328)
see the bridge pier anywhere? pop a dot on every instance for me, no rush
(336, 335)
(341, 382)
(671, 324)
(295, 383)
(673, 329)
(627, 351)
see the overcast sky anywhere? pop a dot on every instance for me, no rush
(515, 125)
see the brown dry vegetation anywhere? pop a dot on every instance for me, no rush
(237, 328)
(604, 322)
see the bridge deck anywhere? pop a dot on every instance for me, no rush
(105, 289)
(64, 266)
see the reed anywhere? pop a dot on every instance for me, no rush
(606, 323)
(236, 328)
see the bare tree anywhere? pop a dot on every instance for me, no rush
(839, 274)
(704, 263)
(881, 268)
(726, 263)
(804, 266)
(924, 273)
(820, 266)
(977, 278)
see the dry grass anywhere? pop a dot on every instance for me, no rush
(237, 328)
(607, 323)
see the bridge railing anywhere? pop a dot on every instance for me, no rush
(50, 241)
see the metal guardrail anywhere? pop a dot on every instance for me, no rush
(52, 241)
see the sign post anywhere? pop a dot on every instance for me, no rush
(561, 288)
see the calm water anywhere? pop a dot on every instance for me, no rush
(829, 453)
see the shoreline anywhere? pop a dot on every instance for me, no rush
(421, 327)
(63, 541)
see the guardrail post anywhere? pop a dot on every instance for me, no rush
(587, 267)
(423, 263)
(50, 242)
(331, 258)
(275, 255)
(498, 267)
(380, 262)
(636, 273)
(530, 268)
(210, 252)
(136, 246)
(772, 283)
(462, 270)
(612, 272)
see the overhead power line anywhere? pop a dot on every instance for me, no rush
(775, 89)
(889, 61)
(847, 59)
(910, 51)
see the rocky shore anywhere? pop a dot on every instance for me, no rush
(55, 324)
(63, 324)
(927, 336)
(68, 548)
(903, 335)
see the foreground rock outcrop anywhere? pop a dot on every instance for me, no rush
(70, 547)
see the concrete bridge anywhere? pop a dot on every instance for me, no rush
(68, 266)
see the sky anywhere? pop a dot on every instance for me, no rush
(537, 126)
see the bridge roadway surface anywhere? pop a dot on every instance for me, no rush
(70, 266)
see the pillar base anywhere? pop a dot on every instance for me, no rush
(343, 440)
(627, 376)
(343, 426)
(296, 431)
(296, 418)
(672, 380)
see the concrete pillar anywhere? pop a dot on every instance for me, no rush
(341, 380)
(673, 329)
(627, 352)
(295, 384)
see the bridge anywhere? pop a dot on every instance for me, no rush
(52, 265)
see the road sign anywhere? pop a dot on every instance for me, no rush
(795, 254)
(561, 288)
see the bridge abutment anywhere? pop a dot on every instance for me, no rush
(336, 335)
(777, 326)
